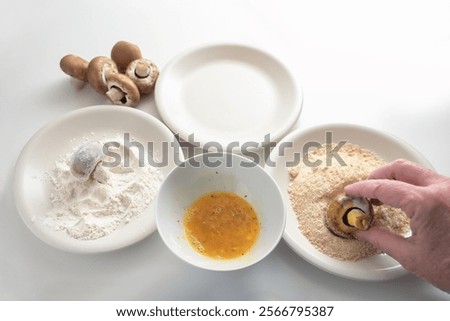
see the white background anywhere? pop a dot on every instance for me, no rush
(383, 64)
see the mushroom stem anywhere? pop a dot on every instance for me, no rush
(357, 218)
(144, 74)
(116, 94)
(100, 174)
(122, 90)
(142, 70)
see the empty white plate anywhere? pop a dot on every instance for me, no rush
(377, 267)
(226, 94)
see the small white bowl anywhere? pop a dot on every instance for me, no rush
(211, 172)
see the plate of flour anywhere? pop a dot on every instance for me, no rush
(110, 208)
(310, 165)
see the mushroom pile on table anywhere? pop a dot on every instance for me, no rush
(123, 78)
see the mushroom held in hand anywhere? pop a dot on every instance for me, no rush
(86, 163)
(347, 214)
(144, 74)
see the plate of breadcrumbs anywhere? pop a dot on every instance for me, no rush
(311, 166)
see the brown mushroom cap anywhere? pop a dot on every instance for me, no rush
(74, 66)
(337, 218)
(122, 90)
(144, 74)
(123, 53)
(99, 69)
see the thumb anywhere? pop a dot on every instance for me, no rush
(393, 244)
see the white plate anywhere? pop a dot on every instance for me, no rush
(227, 93)
(377, 267)
(31, 188)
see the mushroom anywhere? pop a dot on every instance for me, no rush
(346, 215)
(86, 163)
(122, 90)
(144, 74)
(99, 70)
(74, 66)
(123, 53)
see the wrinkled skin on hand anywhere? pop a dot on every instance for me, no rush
(425, 198)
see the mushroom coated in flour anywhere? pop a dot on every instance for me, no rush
(86, 163)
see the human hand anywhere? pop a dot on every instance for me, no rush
(425, 198)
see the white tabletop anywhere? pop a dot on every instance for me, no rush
(383, 64)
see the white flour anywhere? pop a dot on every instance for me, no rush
(90, 210)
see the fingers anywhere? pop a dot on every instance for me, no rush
(394, 193)
(405, 171)
(394, 245)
